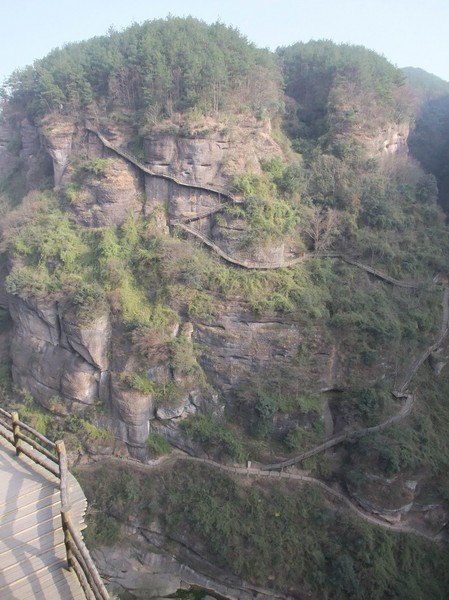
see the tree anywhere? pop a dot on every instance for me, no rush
(321, 226)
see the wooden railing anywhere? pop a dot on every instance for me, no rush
(53, 457)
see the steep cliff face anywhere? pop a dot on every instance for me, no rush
(241, 347)
(58, 138)
(55, 355)
(109, 199)
(212, 153)
(391, 141)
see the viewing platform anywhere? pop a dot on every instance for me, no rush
(42, 510)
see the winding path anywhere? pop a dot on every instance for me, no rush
(255, 473)
(404, 411)
(270, 470)
(221, 192)
(247, 264)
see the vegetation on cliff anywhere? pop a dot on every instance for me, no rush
(339, 88)
(330, 189)
(274, 534)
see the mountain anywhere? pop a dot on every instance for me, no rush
(428, 141)
(429, 85)
(230, 252)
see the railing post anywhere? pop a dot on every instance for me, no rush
(63, 474)
(66, 512)
(16, 431)
(66, 517)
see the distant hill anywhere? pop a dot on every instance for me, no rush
(428, 83)
(428, 141)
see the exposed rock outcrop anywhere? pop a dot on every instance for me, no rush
(7, 135)
(146, 571)
(232, 236)
(133, 410)
(239, 346)
(54, 357)
(390, 141)
(211, 153)
(58, 135)
(108, 198)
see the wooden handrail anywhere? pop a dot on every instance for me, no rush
(37, 434)
(89, 567)
(78, 557)
(38, 447)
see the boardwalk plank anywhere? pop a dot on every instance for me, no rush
(32, 551)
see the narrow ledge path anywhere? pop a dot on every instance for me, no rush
(275, 470)
(255, 473)
(404, 411)
(183, 223)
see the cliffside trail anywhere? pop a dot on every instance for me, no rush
(183, 224)
(404, 411)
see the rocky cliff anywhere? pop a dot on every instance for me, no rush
(55, 355)
(192, 258)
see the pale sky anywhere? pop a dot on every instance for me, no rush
(408, 32)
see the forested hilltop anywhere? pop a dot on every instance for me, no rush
(212, 252)
(153, 70)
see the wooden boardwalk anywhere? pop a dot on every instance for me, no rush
(33, 562)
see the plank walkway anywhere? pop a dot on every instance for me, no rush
(32, 552)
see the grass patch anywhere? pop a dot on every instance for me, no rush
(215, 436)
(158, 444)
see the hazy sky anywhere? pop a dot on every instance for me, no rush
(407, 32)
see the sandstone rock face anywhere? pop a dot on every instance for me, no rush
(205, 159)
(133, 410)
(21, 148)
(239, 346)
(57, 133)
(7, 134)
(391, 141)
(178, 200)
(89, 340)
(124, 569)
(108, 199)
(53, 357)
(146, 571)
(212, 155)
(230, 237)
(167, 413)
(191, 160)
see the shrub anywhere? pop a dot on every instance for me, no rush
(26, 282)
(183, 359)
(301, 439)
(71, 192)
(139, 382)
(158, 444)
(252, 186)
(266, 406)
(169, 394)
(214, 434)
(32, 413)
(96, 166)
(101, 530)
